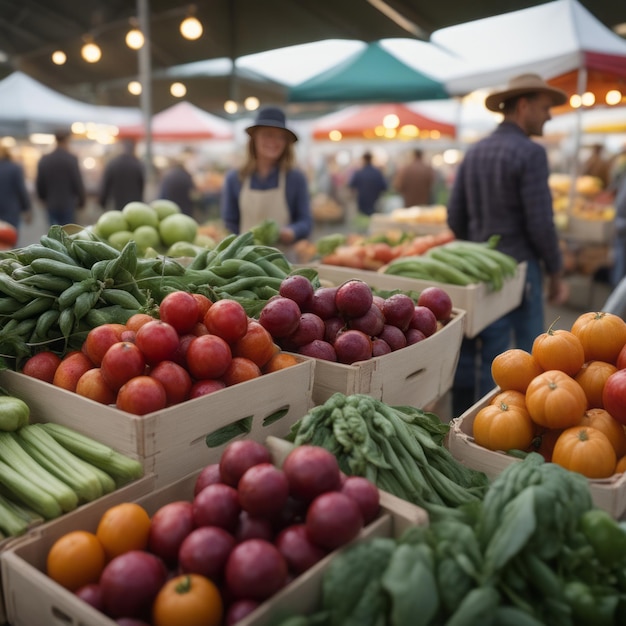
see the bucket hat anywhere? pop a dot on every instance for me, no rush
(522, 85)
(273, 117)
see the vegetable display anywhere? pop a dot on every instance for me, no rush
(53, 292)
(457, 263)
(400, 449)
(533, 552)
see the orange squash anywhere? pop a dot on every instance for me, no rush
(514, 369)
(503, 427)
(585, 450)
(602, 335)
(591, 378)
(606, 423)
(559, 350)
(555, 400)
(510, 397)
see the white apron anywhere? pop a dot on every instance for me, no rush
(256, 205)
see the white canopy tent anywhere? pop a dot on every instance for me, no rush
(27, 106)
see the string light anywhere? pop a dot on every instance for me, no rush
(614, 96)
(134, 39)
(134, 87)
(91, 52)
(251, 103)
(230, 106)
(59, 57)
(575, 101)
(391, 121)
(178, 90)
(191, 28)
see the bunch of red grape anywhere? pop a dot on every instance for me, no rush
(350, 322)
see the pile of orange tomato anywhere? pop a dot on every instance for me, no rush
(565, 399)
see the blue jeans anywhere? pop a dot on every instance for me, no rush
(518, 329)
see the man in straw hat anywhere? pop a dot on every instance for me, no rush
(501, 188)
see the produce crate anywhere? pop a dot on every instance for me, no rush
(589, 231)
(482, 306)
(23, 566)
(171, 443)
(381, 224)
(607, 493)
(132, 491)
(416, 375)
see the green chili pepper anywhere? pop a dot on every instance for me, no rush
(605, 535)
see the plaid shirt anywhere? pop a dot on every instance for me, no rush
(501, 188)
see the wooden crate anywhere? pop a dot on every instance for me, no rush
(607, 493)
(23, 566)
(589, 231)
(381, 224)
(482, 306)
(171, 443)
(416, 375)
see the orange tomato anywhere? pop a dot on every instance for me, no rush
(503, 427)
(559, 350)
(602, 335)
(585, 450)
(555, 400)
(76, 559)
(514, 369)
(591, 378)
(188, 600)
(605, 422)
(122, 528)
(279, 361)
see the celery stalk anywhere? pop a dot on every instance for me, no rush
(11, 523)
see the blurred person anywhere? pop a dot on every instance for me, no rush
(14, 199)
(59, 184)
(268, 185)
(124, 178)
(618, 268)
(368, 182)
(501, 188)
(415, 181)
(596, 165)
(178, 186)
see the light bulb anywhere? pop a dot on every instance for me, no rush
(588, 99)
(335, 135)
(230, 106)
(191, 28)
(134, 39)
(575, 101)
(134, 87)
(251, 103)
(391, 121)
(614, 96)
(59, 57)
(91, 52)
(178, 90)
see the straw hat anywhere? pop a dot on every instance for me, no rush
(522, 85)
(273, 117)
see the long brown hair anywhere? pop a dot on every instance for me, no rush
(286, 160)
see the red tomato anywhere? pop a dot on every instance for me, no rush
(614, 395)
(227, 319)
(208, 356)
(181, 310)
(121, 362)
(158, 341)
(8, 234)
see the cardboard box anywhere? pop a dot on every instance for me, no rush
(607, 493)
(24, 580)
(482, 306)
(416, 375)
(172, 443)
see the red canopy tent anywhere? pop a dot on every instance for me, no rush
(381, 121)
(182, 122)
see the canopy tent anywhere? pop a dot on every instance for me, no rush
(371, 75)
(560, 40)
(382, 121)
(27, 106)
(182, 122)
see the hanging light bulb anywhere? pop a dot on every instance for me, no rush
(251, 103)
(391, 121)
(178, 90)
(91, 52)
(230, 106)
(134, 87)
(59, 57)
(588, 99)
(575, 101)
(614, 96)
(191, 28)
(134, 39)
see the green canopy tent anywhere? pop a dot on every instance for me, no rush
(371, 75)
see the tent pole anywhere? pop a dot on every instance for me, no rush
(145, 78)
(581, 87)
